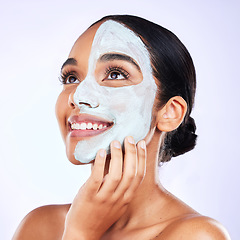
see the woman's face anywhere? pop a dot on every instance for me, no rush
(108, 91)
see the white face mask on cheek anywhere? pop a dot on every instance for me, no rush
(128, 107)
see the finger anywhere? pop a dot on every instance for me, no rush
(141, 170)
(130, 166)
(96, 178)
(115, 169)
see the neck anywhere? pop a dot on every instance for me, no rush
(149, 193)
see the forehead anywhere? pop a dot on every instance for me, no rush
(109, 36)
(112, 36)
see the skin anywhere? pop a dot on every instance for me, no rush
(123, 198)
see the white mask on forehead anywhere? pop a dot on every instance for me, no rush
(128, 107)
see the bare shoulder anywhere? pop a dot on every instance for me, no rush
(195, 227)
(46, 222)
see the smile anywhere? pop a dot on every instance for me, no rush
(85, 125)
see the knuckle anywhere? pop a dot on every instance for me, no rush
(141, 154)
(127, 198)
(102, 200)
(132, 150)
(114, 199)
(116, 153)
(116, 178)
(115, 181)
(130, 176)
(140, 174)
(95, 181)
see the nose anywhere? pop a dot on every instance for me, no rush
(91, 105)
(86, 95)
(81, 102)
(71, 101)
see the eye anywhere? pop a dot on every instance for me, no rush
(69, 78)
(72, 79)
(116, 73)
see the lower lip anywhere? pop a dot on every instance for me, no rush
(86, 133)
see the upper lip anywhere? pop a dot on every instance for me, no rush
(88, 118)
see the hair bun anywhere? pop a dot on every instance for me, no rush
(184, 139)
(181, 140)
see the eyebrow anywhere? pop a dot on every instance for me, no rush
(69, 61)
(116, 56)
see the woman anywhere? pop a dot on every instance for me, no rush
(128, 92)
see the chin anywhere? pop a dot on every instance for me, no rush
(74, 161)
(70, 154)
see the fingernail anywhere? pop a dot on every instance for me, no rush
(116, 144)
(130, 140)
(102, 153)
(143, 144)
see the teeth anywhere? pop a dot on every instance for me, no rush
(89, 126)
(84, 126)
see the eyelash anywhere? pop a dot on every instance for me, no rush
(65, 76)
(120, 70)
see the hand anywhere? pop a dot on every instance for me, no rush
(101, 201)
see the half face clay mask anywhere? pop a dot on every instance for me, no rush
(128, 107)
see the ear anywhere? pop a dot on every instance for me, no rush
(172, 114)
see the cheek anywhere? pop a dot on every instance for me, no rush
(61, 110)
(125, 101)
(58, 107)
(119, 104)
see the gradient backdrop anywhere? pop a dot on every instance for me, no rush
(36, 37)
